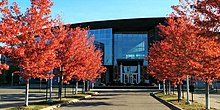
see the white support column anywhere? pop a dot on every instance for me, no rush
(124, 78)
(132, 77)
(139, 73)
(136, 78)
(128, 76)
(121, 73)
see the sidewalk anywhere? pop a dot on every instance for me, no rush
(214, 102)
(15, 97)
(200, 98)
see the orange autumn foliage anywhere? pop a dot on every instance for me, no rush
(183, 52)
(78, 56)
(28, 38)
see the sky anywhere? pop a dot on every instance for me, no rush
(77, 11)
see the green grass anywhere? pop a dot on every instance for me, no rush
(174, 99)
(44, 104)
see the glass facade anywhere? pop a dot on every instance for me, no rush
(104, 36)
(130, 46)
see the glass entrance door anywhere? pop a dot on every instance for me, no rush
(130, 78)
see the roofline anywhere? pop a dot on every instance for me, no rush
(123, 25)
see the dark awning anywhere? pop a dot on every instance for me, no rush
(124, 25)
(130, 62)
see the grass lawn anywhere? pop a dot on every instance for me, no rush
(44, 104)
(174, 99)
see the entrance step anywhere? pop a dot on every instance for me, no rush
(125, 87)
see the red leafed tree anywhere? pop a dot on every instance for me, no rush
(3, 66)
(190, 53)
(205, 59)
(163, 63)
(29, 40)
(171, 53)
(204, 14)
(78, 56)
(93, 63)
(93, 67)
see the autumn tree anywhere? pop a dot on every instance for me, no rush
(187, 51)
(169, 56)
(93, 68)
(29, 40)
(205, 62)
(78, 55)
(204, 14)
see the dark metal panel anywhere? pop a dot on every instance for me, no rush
(124, 25)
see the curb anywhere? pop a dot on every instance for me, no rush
(68, 102)
(168, 104)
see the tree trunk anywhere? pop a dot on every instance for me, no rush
(65, 90)
(169, 88)
(83, 89)
(159, 85)
(60, 87)
(40, 84)
(51, 89)
(187, 90)
(179, 92)
(46, 90)
(88, 83)
(182, 91)
(86, 86)
(61, 83)
(207, 97)
(76, 87)
(26, 92)
(164, 91)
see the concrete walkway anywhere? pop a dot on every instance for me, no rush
(200, 98)
(116, 100)
(15, 97)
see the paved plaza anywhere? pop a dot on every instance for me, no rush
(15, 97)
(117, 100)
(108, 99)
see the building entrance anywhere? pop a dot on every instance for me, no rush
(130, 75)
(130, 71)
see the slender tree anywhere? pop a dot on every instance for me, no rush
(29, 40)
(204, 16)
(78, 55)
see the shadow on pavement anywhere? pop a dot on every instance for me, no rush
(85, 104)
(98, 98)
(5, 106)
(14, 100)
(20, 97)
(108, 94)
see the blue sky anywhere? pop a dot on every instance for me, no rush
(76, 11)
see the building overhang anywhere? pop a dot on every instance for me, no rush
(124, 25)
(130, 62)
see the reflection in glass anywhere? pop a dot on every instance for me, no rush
(130, 46)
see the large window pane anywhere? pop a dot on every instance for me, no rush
(130, 46)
